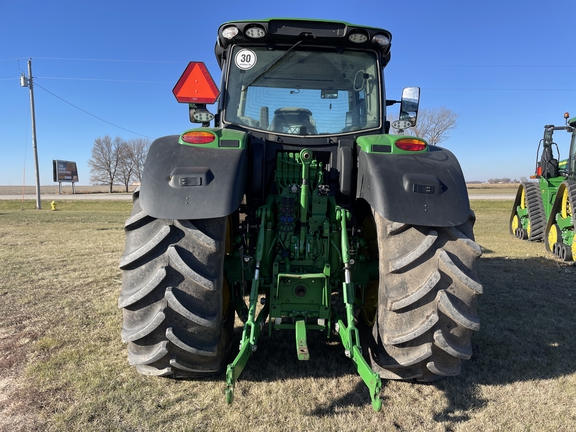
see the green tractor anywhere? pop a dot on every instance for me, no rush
(298, 212)
(543, 211)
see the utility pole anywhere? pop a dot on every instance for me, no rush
(28, 82)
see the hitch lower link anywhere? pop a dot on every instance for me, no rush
(348, 332)
(345, 328)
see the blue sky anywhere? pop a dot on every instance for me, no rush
(108, 68)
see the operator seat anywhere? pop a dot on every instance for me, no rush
(293, 120)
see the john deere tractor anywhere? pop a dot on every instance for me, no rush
(543, 210)
(298, 212)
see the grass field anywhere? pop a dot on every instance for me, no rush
(64, 368)
(483, 189)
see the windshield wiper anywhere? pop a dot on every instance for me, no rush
(274, 63)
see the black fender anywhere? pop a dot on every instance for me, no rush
(191, 182)
(425, 188)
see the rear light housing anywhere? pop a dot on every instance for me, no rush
(198, 137)
(411, 144)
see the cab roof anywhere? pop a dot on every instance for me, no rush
(287, 31)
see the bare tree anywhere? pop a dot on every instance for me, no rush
(105, 161)
(434, 124)
(138, 150)
(126, 167)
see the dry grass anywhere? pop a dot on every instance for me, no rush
(485, 188)
(63, 367)
(85, 189)
(66, 189)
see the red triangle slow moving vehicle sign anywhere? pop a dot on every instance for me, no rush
(196, 85)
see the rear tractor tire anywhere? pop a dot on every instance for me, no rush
(427, 300)
(176, 307)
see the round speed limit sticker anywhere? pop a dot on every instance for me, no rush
(245, 59)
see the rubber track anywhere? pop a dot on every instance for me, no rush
(536, 213)
(572, 195)
(427, 300)
(571, 185)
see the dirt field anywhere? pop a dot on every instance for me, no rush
(63, 366)
(53, 189)
(474, 188)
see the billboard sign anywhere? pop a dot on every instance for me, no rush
(64, 171)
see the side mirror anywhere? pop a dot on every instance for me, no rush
(409, 107)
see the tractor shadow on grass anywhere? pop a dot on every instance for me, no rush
(527, 330)
(527, 327)
(276, 361)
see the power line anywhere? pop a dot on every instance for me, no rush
(500, 89)
(90, 114)
(108, 60)
(419, 66)
(105, 79)
(482, 66)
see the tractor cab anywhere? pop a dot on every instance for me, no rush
(301, 79)
(550, 166)
(303, 92)
(571, 162)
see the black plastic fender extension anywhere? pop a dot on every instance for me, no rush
(418, 189)
(190, 182)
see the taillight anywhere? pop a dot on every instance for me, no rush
(410, 144)
(198, 137)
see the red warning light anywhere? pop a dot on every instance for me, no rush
(410, 144)
(196, 85)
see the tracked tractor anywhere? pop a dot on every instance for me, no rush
(297, 211)
(542, 210)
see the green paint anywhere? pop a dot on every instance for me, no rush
(303, 255)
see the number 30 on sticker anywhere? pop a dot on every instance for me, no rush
(245, 59)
